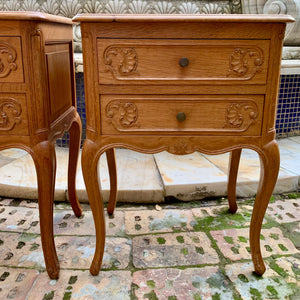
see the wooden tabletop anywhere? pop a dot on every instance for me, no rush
(182, 18)
(32, 16)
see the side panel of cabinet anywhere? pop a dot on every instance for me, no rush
(59, 72)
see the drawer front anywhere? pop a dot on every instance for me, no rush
(13, 114)
(219, 115)
(11, 64)
(153, 61)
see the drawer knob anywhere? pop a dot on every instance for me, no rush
(184, 62)
(181, 117)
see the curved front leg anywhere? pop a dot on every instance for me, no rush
(43, 155)
(89, 162)
(269, 160)
(112, 169)
(74, 146)
(234, 162)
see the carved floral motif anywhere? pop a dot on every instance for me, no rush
(181, 148)
(10, 111)
(124, 114)
(245, 62)
(8, 56)
(121, 60)
(241, 115)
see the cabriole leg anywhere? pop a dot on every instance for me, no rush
(234, 162)
(90, 158)
(74, 146)
(112, 168)
(44, 158)
(269, 160)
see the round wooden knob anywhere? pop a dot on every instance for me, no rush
(181, 117)
(184, 62)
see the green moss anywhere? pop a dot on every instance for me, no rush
(197, 297)
(280, 271)
(256, 295)
(172, 298)
(72, 279)
(20, 245)
(262, 237)
(180, 239)
(272, 291)
(243, 239)
(49, 296)
(34, 246)
(282, 247)
(228, 239)
(235, 250)
(184, 251)
(151, 296)
(268, 248)
(274, 236)
(272, 199)
(216, 296)
(151, 284)
(195, 239)
(199, 250)
(137, 227)
(243, 278)
(161, 240)
(248, 249)
(293, 195)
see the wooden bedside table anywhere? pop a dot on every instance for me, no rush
(37, 105)
(182, 84)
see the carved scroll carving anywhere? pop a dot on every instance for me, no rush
(122, 114)
(8, 56)
(121, 61)
(245, 62)
(241, 115)
(10, 111)
(181, 148)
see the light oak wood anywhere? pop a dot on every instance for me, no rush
(37, 105)
(181, 84)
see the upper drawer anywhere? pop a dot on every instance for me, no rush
(11, 65)
(154, 61)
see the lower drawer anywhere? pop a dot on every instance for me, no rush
(197, 114)
(13, 114)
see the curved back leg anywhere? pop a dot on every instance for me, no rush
(233, 168)
(112, 169)
(74, 146)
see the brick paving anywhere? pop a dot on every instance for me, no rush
(195, 250)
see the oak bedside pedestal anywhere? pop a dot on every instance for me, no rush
(181, 84)
(37, 105)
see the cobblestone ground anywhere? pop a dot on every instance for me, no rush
(195, 250)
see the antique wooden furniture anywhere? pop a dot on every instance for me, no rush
(181, 84)
(37, 105)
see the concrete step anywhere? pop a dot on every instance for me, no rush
(144, 178)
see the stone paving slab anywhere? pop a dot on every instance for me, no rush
(150, 221)
(173, 249)
(66, 223)
(249, 171)
(138, 178)
(24, 250)
(190, 177)
(284, 211)
(18, 179)
(72, 284)
(280, 281)
(189, 284)
(16, 283)
(23, 219)
(234, 243)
